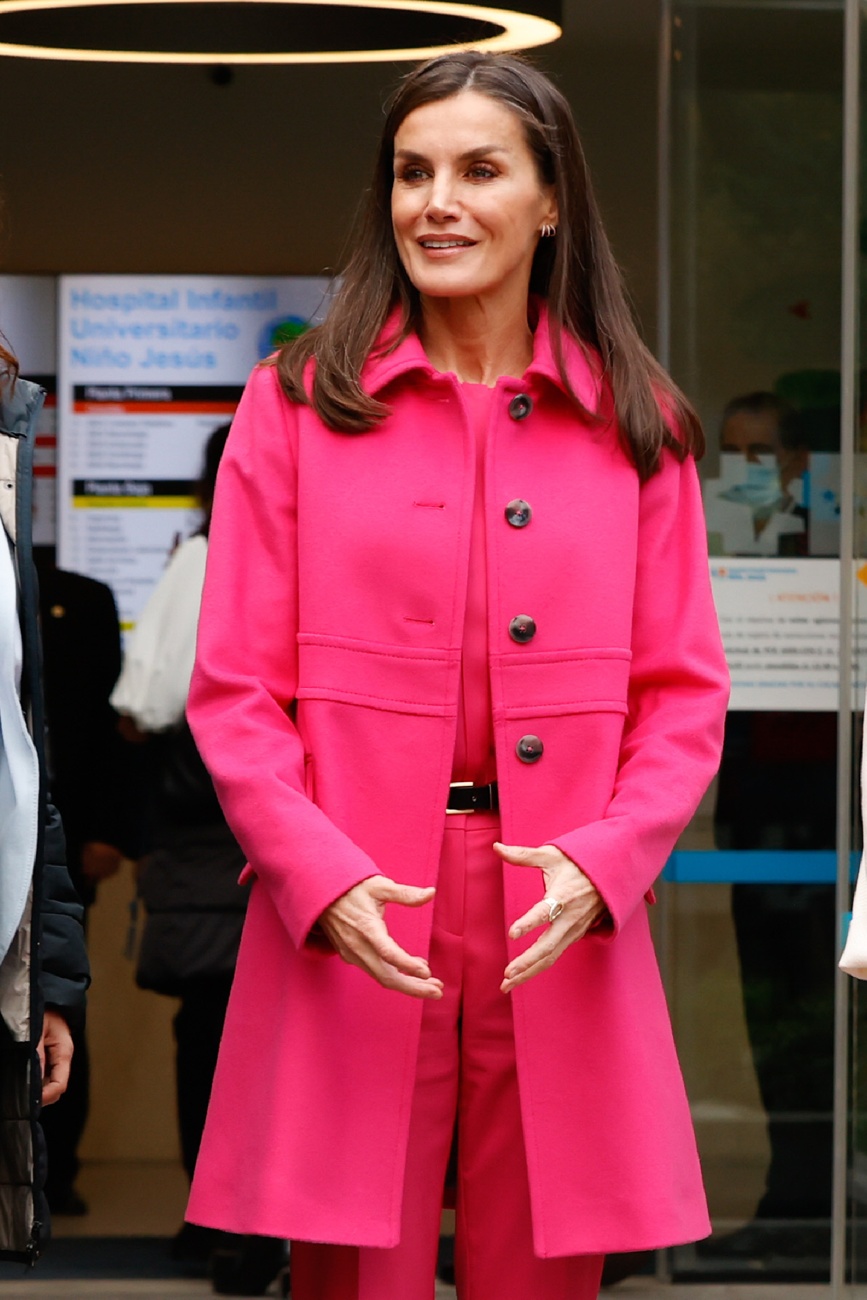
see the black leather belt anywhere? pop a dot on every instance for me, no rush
(464, 797)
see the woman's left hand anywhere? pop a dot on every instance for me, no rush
(565, 882)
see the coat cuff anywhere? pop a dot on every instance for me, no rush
(620, 885)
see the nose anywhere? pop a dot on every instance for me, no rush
(442, 204)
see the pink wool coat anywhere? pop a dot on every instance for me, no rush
(325, 703)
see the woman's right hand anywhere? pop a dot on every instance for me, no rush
(355, 926)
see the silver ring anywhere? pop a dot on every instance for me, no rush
(555, 907)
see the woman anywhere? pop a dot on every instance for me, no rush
(457, 565)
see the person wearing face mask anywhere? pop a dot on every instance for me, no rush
(757, 507)
(460, 685)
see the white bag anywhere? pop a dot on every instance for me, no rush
(158, 659)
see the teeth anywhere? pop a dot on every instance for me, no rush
(445, 243)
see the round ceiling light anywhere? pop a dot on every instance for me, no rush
(266, 31)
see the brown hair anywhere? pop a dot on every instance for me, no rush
(8, 366)
(575, 272)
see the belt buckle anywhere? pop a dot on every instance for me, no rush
(459, 812)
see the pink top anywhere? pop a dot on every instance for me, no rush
(474, 748)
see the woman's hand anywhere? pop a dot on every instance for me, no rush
(565, 882)
(355, 926)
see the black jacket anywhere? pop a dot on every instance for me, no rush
(45, 962)
(94, 775)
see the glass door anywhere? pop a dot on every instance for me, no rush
(751, 315)
(851, 1174)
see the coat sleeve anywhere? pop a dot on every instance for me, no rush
(246, 672)
(678, 693)
(64, 971)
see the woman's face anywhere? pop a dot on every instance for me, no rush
(467, 203)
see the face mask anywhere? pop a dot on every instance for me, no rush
(760, 487)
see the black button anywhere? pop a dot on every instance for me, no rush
(522, 628)
(520, 406)
(529, 749)
(519, 513)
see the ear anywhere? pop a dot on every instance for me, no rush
(552, 212)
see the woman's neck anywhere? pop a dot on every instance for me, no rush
(477, 342)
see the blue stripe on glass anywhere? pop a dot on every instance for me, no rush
(756, 866)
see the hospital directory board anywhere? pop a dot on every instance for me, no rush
(149, 366)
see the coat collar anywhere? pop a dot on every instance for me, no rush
(584, 368)
(19, 407)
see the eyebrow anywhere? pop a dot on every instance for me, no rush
(408, 155)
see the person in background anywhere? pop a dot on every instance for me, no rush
(43, 964)
(93, 784)
(762, 511)
(458, 594)
(188, 880)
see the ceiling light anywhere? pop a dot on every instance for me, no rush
(266, 31)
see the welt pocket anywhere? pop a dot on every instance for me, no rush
(552, 683)
(399, 679)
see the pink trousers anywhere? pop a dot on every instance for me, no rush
(466, 1069)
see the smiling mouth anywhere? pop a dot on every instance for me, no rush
(447, 243)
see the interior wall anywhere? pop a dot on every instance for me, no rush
(158, 169)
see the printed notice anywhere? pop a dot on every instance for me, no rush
(780, 621)
(149, 367)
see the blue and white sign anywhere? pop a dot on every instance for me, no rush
(780, 621)
(148, 367)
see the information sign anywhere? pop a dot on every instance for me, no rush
(780, 621)
(149, 366)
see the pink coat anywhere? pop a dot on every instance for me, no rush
(325, 703)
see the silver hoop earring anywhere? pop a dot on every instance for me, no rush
(548, 231)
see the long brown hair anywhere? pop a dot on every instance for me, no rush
(8, 366)
(575, 272)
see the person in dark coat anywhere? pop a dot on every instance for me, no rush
(93, 787)
(188, 880)
(43, 964)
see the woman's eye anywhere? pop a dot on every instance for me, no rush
(411, 174)
(482, 172)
